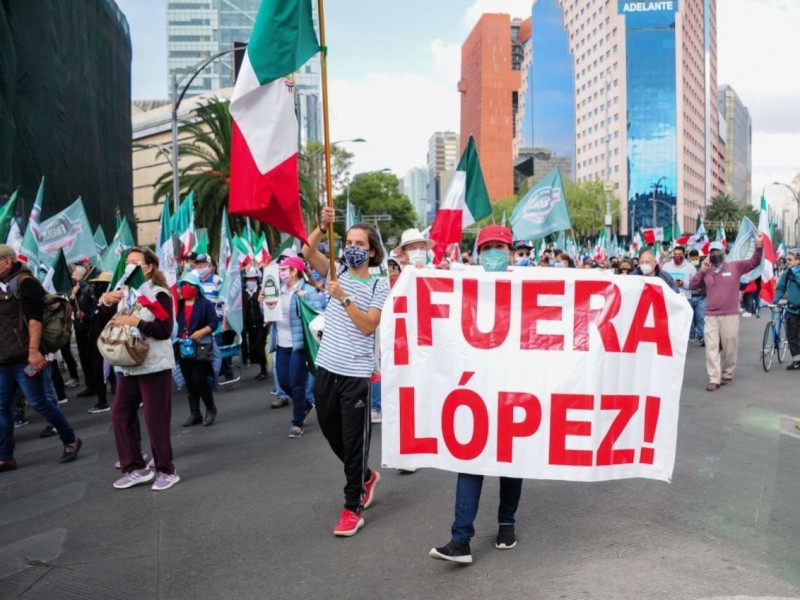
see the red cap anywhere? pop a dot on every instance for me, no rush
(495, 233)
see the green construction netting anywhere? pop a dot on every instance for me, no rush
(65, 105)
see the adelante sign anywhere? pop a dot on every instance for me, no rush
(654, 6)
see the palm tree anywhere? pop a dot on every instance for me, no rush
(724, 209)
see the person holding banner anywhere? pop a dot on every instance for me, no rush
(286, 338)
(148, 384)
(494, 254)
(346, 360)
(721, 280)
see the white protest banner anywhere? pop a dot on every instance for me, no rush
(271, 287)
(537, 373)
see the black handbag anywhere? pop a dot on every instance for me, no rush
(201, 350)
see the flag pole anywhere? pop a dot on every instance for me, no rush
(326, 129)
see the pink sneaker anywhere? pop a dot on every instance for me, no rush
(164, 481)
(369, 488)
(349, 523)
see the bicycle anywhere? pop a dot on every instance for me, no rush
(774, 342)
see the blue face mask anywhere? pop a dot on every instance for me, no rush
(355, 257)
(525, 261)
(494, 260)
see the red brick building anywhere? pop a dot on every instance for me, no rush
(490, 80)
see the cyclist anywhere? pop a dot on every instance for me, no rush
(789, 286)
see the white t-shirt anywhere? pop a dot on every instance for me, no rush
(344, 349)
(683, 272)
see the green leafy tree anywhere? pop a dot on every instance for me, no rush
(377, 193)
(749, 211)
(586, 203)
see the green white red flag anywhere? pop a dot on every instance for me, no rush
(465, 202)
(264, 147)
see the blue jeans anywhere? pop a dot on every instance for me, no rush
(698, 323)
(375, 390)
(279, 391)
(34, 390)
(310, 389)
(468, 495)
(293, 375)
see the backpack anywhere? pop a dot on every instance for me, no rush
(56, 319)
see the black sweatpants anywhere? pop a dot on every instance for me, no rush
(793, 335)
(343, 415)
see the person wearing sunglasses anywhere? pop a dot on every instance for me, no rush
(522, 254)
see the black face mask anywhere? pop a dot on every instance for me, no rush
(716, 259)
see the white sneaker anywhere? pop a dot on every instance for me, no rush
(746, 314)
(164, 481)
(71, 383)
(134, 478)
(375, 416)
(63, 401)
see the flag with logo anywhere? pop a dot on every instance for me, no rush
(122, 242)
(30, 241)
(69, 230)
(465, 202)
(264, 148)
(100, 241)
(542, 210)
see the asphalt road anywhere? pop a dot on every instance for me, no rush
(253, 514)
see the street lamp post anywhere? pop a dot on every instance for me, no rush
(193, 72)
(797, 201)
(655, 208)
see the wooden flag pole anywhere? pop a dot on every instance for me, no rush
(326, 129)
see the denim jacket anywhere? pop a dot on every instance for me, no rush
(315, 299)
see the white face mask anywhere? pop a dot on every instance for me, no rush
(417, 256)
(646, 269)
(251, 285)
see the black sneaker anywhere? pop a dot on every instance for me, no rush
(795, 366)
(71, 451)
(99, 408)
(48, 431)
(506, 538)
(453, 552)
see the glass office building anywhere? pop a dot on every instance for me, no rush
(546, 120)
(652, 136)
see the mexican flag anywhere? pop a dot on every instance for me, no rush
(651, 236)
(182, 224)
(465, 201)
(699, 240)
(262, 250)
(264, 154)
(165, 249)
(133, 278)
(30, 241)
(768, 275)
(225, 244)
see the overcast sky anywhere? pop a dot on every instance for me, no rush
(393, 73)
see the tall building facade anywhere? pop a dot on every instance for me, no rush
(199, 29)
(738, 135)
(545, 130)
(491, 63)
(644, 73)
(443, 157)
(415, 186)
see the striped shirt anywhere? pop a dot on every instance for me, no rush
(211, 287)
(344, 349)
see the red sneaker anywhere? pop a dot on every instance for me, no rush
(369, 488)
(349, 523)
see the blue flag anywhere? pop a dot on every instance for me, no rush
(542, 211)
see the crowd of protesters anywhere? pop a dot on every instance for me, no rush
(345, 388)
